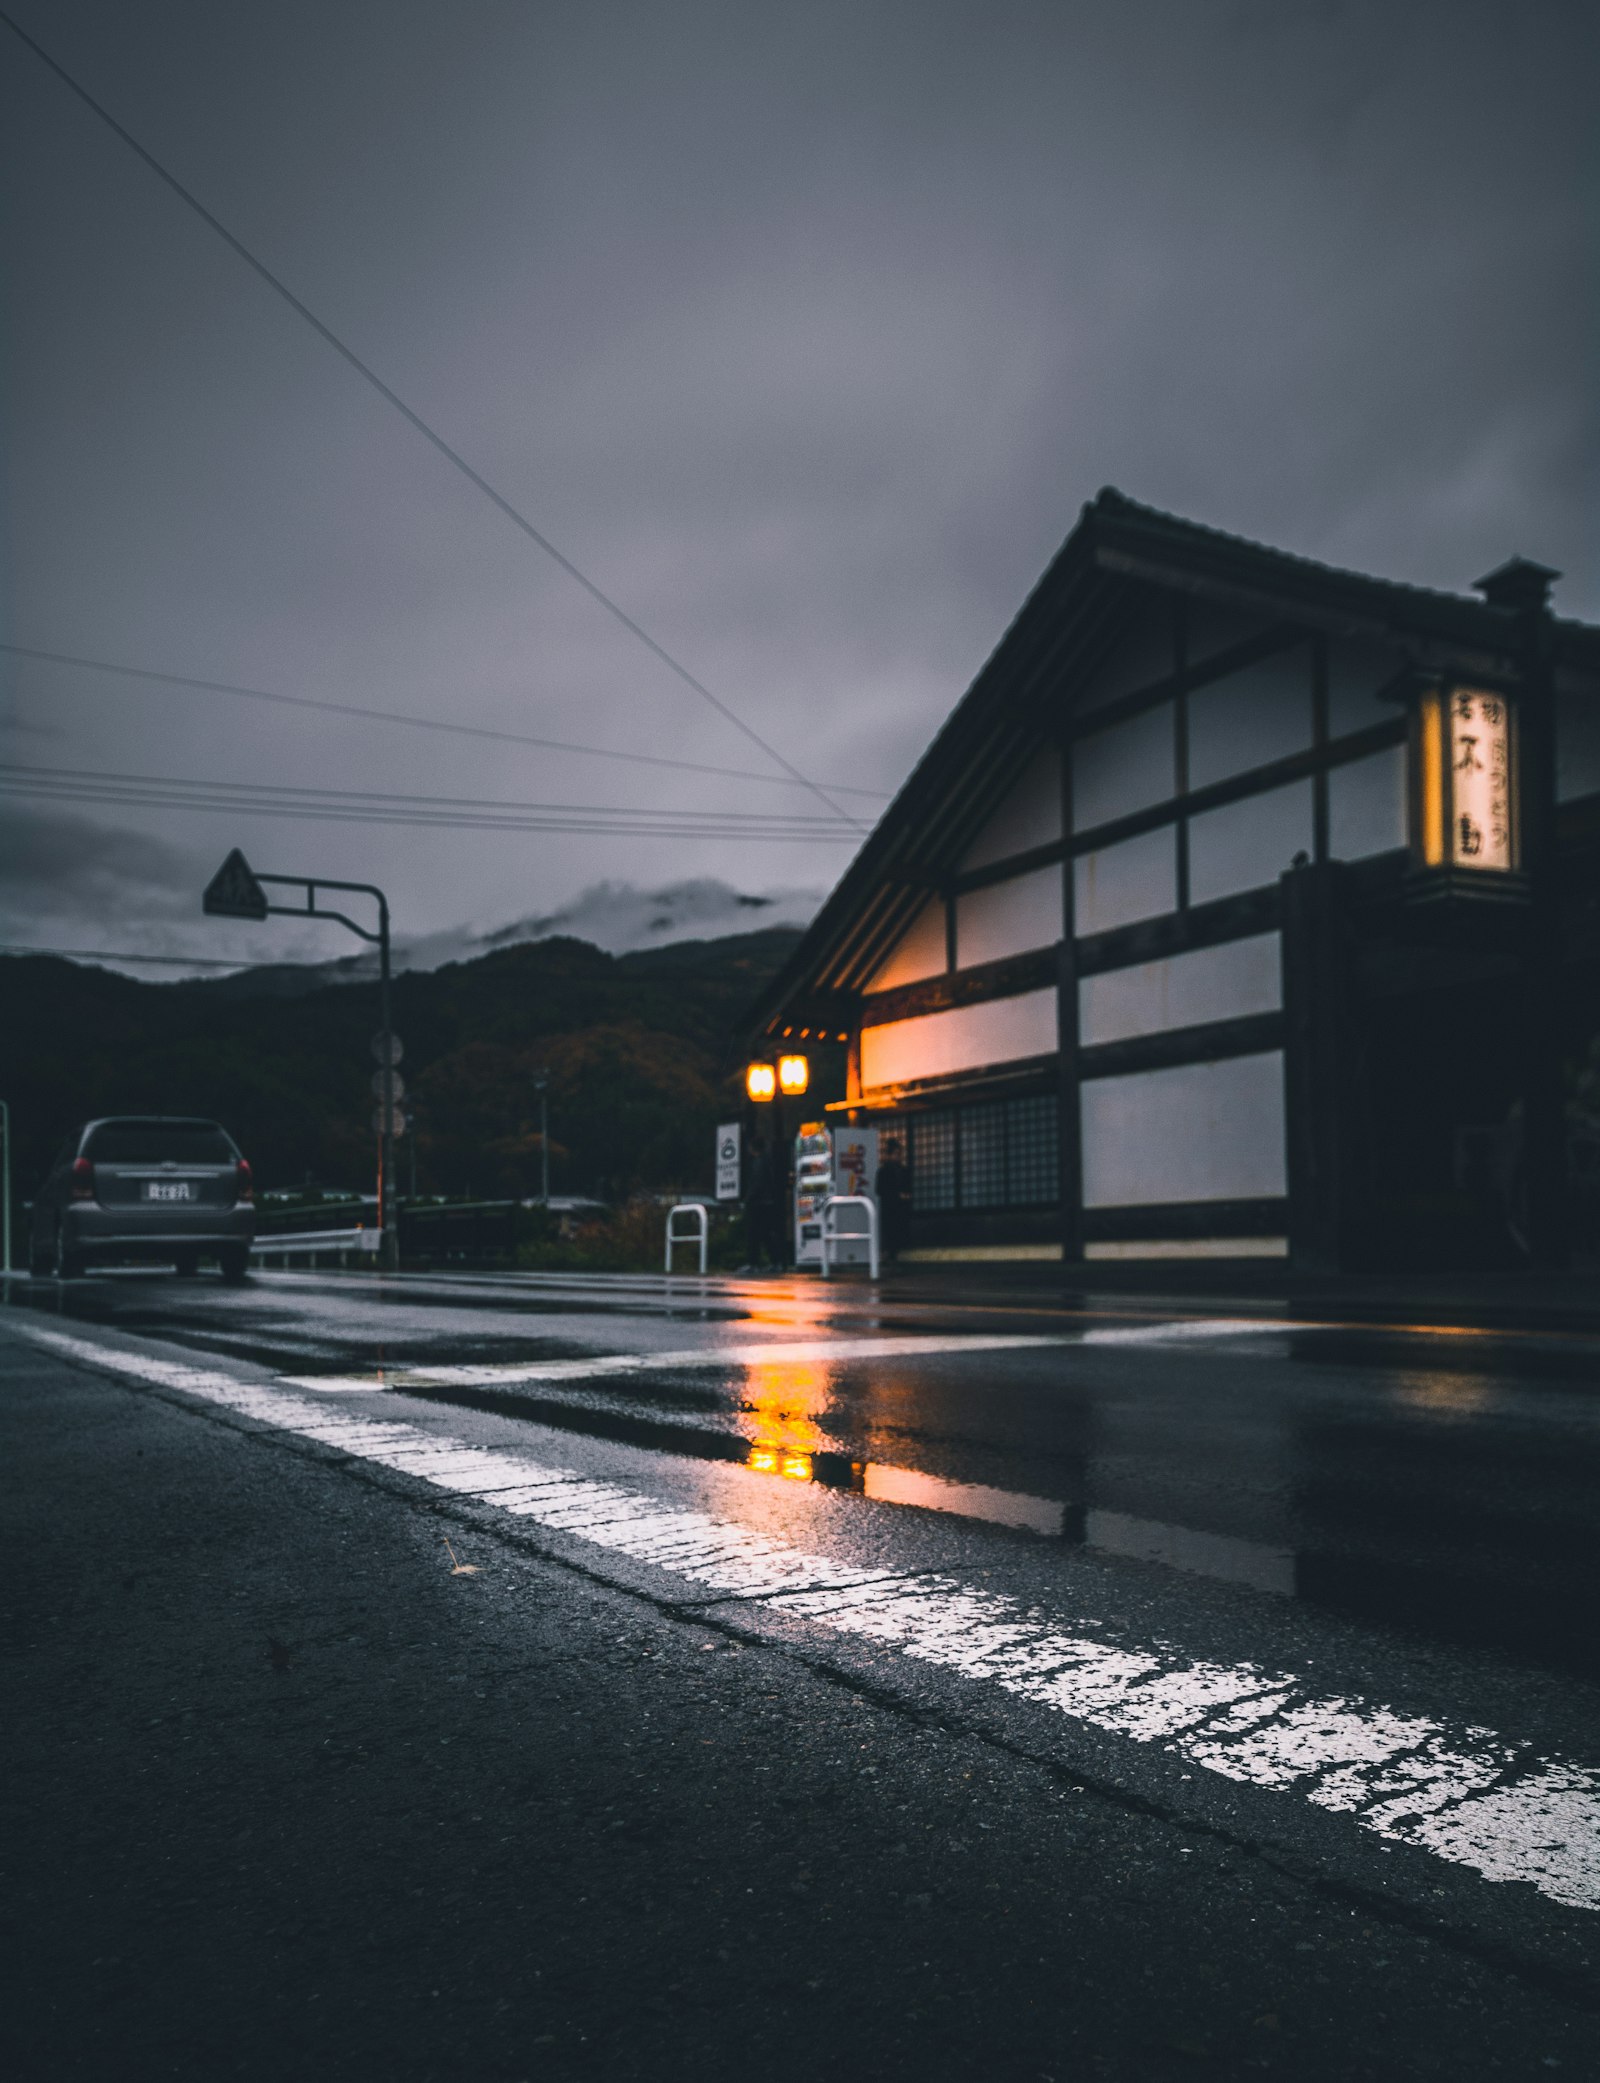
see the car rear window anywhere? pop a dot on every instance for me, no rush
(160, 1142)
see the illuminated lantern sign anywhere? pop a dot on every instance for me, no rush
(1468, 785)
(1480, 780)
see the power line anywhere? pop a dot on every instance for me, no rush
(428, 723)
(415, 419)
(22, 774)
(315, 814)
(32, 771)
(419, 812)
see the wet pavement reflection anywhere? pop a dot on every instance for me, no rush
(1428, 1480)
(778, 1408)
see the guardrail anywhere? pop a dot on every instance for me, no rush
(832, 1234)
(699, 1235)
(313, 1244)
(471, 1232)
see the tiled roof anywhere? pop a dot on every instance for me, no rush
(1055, 630)
(1287, 568)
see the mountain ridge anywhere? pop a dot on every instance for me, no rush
(640, 1049)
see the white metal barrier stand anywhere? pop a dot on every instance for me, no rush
(698, 1235)
(832, 1234)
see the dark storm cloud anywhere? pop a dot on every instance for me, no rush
(53, 863)
(805, 330)
(69, 881)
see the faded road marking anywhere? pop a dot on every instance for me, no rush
(1483, 1801)
(770, 1352)
(1190, 1329)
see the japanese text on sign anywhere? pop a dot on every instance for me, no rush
(1480, 780)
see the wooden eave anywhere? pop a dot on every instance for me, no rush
(1066, 625)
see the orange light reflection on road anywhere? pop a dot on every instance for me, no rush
(799, 1307)
(776, 1415)
(1444, 1395)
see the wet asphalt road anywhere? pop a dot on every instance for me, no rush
(294, 1798)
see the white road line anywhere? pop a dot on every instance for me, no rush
(1483, 1801)
(770, 1352)
(794, 1352)
(1186, 1329)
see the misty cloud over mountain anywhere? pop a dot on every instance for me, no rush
(66, 882)
(622, 918)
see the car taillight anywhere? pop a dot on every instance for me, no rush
(247, 1186)
(82, 1180)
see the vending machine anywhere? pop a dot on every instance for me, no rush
(831, 1161)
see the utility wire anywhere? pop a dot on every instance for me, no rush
(31, 771)
(421, 813)
(463, 730)
(415, 419)
(318, 814)
(26, 771)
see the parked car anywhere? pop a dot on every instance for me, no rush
(152, 1186)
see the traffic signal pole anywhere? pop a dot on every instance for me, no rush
(388, 1227)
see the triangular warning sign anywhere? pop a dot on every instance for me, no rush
(233, 892)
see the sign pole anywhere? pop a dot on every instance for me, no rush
(542, 1087)
(5, 1134)
(236, 891)
(388, 1229)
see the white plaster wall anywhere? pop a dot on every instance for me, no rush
(1367, 805)
(1009, 918)
(935, 1045)
(1128, 767)
(1248, 844)
(1211, 983)
(1200, 1132)
(1254, 716)
(919, 952)
(1358, 667)
(1136, 879)
(1029, 816)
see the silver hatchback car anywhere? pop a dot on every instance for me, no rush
(145, 1186)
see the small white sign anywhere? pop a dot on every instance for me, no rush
(728, 1141)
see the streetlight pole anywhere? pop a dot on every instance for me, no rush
(236, 891)
(5, 1137)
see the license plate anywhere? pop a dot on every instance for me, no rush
(168, 1190)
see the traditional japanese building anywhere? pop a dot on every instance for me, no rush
(1243, 907)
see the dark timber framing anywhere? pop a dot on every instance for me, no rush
(1125, 565)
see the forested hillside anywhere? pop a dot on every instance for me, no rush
(642, 1051)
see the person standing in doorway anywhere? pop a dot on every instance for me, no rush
(766, 1208)
(894, 1199)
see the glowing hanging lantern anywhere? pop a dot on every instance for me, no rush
(761, 1081)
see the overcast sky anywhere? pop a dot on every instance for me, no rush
(805, 331)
